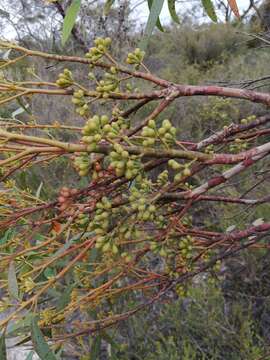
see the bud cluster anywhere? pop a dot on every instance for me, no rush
(123, 163)
(95, 53)
(65, 79)
(79, 101)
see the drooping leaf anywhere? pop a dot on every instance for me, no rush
(171, 6)
(40, 345)
(209, 9)
(107, 6)
(158, 23)
(13, 288)
(151, 22)
(233, 5)
(30, 355)
(3, 350)
(70, 19)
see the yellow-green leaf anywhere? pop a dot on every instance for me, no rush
(171, 6)
(70, 19)
(107, 6)
(209, 9)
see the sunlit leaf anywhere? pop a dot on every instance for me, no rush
(209, 9)
(70, 19)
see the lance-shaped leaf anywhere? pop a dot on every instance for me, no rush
(70, 19)
(171, 6)
(151, 22)
(3, 350)
(40, 345)
(209, 9)
(158, 23)
(13, 288)
(233, 5)
(107, 6)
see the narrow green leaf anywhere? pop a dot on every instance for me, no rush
(209, 9)
(3, 350)
(96, 347)
(107, 6)
(171, 6)
(158, 23)
(13, 288)
(30, 355)
(70, 19)
(151, 22)
(64, 300)
(40, 345)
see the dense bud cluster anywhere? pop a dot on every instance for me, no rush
(135, 57)
(82, 164)
(238, 145)
(79, 101)
(186, 172)
(123, 163)
(107, 85)
(186, 246)
(93, 130)
(95, 53)
(145, 210)
(162, 178)
(65, 79)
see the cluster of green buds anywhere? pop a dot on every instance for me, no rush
(82, 219)
(145, 211)
(106, 244)
(209, 149)
(181, 291)
(135, 57)
(162, 178)
(113, 130)
(65, 79)
(79, 101)
(100, 222)
(167, 132)
(186, 247)
(123, 163)
(159, 248)
(250, 118)
(95, 53)
(187, 220)
(109, 84)
(185, 169)
(82, 164)
(93, 130)
(239, 145)
(150, 133)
